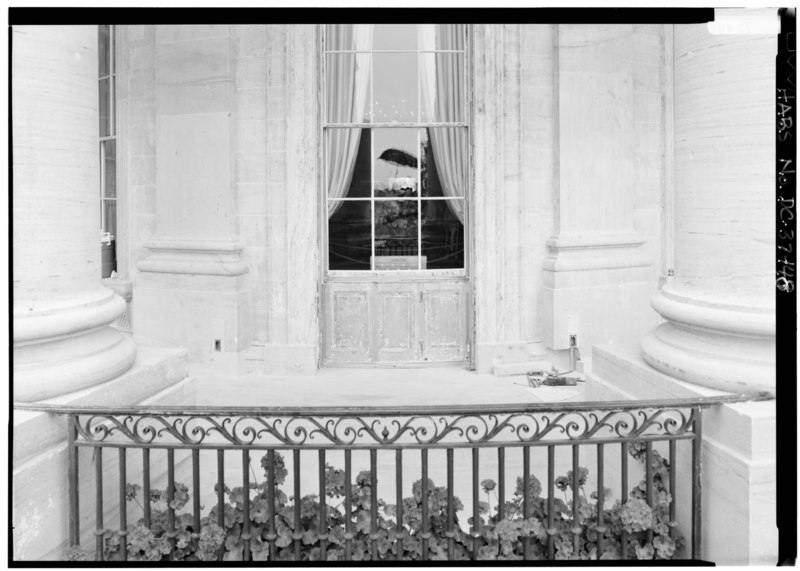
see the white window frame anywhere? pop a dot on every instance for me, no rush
(112, 135)
(418, 126)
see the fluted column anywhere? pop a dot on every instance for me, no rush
(720, 306)
(62, 312)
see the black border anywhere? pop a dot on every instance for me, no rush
(327, 14)
(786, 149)
(785, 287)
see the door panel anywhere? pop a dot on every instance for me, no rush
(397, 323)
(391, 320)
(349, 323)
(443, 330)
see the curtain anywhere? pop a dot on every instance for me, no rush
(442, 76)
(347, 82)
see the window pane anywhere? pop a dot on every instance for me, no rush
(395, 87)
(442, 79)
(443, 233)
(395, 37)
(396, 235)
(103, 50)
(395, 169)
(105, 91)
(444, 153)
(349, 235)
(348, 167)
(110, 217)
(347, 85)
(110, 168)
(347, 37)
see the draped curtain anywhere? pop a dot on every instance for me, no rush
(347, 83)
(442, 100)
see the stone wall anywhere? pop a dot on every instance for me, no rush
(519, 198)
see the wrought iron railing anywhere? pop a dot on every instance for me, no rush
(592, 430)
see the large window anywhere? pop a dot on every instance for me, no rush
(396, 146)
(108, 150)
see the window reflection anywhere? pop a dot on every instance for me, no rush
(349, 235)
(442, 234)
(395, 162)
(396, 234)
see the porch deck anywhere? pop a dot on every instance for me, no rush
(378, 387)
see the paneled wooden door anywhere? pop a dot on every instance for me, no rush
(394, 321)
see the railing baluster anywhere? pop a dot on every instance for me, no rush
(348, 515)
(221, 488)
(98, 512)
(451, 532)
(551, 503)
(171, 531)
(501, 483)
(424, 533)
(624, 500)
(246, 504)
(672, 489)
(399, 530)
(601, 528)
(196, 488)
(72, 475)
(272, 535)
(221, 491)
(697, 446)
(298, 532)
(526, 486)
(146, 486)
(476, 522)
(323, 520)
(648, 478)
(123, 504)
(576, 520)
(373, 503)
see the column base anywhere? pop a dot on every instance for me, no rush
(715, 345)
(61, 346)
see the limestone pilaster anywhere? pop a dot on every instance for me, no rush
(63, 341)
(720, 307)
(596, 267)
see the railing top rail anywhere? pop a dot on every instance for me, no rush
(406, 410)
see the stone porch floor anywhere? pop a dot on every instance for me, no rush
(375, 387)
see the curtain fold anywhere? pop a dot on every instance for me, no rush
(348, 85)
(442, 100)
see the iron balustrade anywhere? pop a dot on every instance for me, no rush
(402, 429)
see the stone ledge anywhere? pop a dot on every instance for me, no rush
(153, 371)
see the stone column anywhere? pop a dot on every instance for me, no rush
(191, 291)
(596, 269)
(720, 306)
(62, 312)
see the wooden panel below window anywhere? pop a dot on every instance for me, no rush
(393, 321)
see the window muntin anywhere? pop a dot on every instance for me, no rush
(108, 149)
(385, 110)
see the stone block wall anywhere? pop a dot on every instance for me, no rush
(272, 85)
